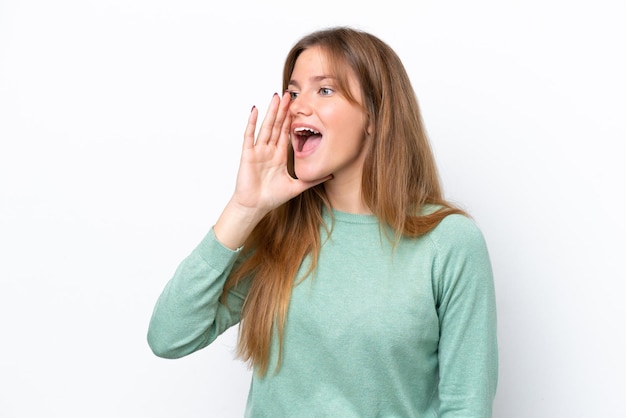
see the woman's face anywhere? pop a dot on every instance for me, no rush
(327, 131)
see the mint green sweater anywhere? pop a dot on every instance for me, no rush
(375, 332)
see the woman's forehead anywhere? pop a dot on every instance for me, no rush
(324, 63)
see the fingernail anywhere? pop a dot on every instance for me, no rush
(252, 109)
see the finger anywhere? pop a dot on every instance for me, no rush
(248, 136)
(265, 133)
(285, 132)
(281, 116)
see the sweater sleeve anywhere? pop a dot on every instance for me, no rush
(468, 352)
(188, 314)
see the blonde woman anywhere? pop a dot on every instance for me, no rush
(358, 289)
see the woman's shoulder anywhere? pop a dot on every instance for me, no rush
(457, 222)
(457, 231)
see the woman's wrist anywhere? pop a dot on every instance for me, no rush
(235, 224)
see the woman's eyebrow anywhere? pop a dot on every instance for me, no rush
(312, 79)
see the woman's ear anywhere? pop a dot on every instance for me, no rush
(369, 128)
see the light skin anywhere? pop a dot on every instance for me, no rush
(334, 155)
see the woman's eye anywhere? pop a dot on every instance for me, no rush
(292, 94)
(325, 91)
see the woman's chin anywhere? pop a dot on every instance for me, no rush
(309, 175)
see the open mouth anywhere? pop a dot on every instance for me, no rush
(306, 139)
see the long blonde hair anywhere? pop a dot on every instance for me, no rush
(399, 177)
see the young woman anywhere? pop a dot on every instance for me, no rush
(359, 290)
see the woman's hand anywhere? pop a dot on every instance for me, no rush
(263, 182)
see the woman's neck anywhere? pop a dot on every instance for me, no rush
(345, 195)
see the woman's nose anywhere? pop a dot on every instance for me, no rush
(300, 105)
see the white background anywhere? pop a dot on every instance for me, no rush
(121, 123)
